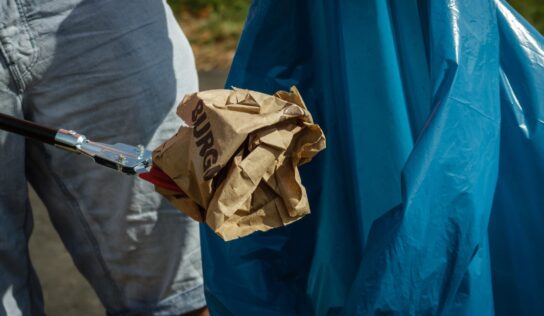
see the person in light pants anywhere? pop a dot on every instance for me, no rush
(114, 71)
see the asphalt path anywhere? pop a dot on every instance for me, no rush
(65, 291)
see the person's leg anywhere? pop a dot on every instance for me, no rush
(19, 289)
(114, 71)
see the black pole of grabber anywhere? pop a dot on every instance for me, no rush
(121, 157)
(28, 129)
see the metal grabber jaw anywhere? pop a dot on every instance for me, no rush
(122, 157)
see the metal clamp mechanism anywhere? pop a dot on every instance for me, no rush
(122, 157)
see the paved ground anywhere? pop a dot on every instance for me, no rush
(66, 293)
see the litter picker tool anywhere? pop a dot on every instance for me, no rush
(122, 157)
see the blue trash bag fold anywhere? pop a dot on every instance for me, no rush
(430, 196)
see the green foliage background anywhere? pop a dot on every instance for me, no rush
(236, 10)
(532, 10)
(214, 26)
(215, 20)
(230, 9)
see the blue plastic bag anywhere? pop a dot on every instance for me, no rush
(430, 196)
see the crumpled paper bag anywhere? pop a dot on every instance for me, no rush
(236, 159)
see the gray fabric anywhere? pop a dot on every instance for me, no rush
(112, 70)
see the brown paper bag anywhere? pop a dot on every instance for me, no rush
(236, 159)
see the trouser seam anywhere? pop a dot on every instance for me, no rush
(89, 235)
(35, 49)
(18, 75)
(12, 68)
(30, 269)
